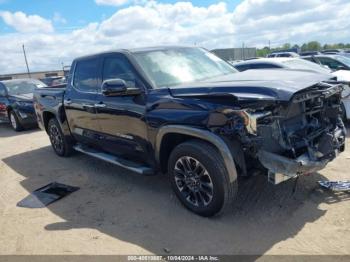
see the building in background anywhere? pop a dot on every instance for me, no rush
(35, 75)
(233, 54)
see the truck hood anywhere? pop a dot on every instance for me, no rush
(275, 84)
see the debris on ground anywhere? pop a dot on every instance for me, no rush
(336, 185)
(167, 250)
(46, 195)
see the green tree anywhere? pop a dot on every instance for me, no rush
(286, 46)
(313, 46)
(310, 46)
(304, 47)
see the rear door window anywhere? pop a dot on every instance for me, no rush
(87, 75)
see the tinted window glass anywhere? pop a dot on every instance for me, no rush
(242, 67)
(119, 67)
(283, 55)
(256, 66)
(331, 63)
(343, 59)
(86, 76)
(263, 66)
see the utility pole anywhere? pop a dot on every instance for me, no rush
(25, 58)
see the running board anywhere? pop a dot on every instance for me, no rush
(127, 164)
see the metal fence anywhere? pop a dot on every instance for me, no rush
(231, 54)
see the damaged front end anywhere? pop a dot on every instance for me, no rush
(296, 137)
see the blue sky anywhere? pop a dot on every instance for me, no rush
(77, 13)
(57, 31)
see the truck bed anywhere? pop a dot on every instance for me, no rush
(48, 99)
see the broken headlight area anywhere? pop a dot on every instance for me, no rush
(243, 122)
(306, 134)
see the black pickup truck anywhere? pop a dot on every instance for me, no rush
(185, 112)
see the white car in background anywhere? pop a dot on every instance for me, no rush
(282, 54)
(301, 64)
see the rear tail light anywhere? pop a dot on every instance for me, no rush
(3, 107)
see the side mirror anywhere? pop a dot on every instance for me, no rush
(113, 87)
(118, 87)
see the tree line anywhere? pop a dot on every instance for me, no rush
(310, 46)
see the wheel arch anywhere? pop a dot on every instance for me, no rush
(47, 115)
(171, 135)
(60, 116)
(9, 108)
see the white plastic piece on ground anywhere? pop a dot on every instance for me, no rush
(336, 185)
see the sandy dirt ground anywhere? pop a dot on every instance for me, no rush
(118, 212)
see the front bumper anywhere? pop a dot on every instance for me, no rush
(290, 167)
(26, 117)
(306, 163)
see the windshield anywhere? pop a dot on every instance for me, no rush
(344, 60)
(20, 87)
(182, 65)
(305, 65)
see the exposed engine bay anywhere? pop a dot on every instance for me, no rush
(297, 137)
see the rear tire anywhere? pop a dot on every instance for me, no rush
(59, 142)
(14, 121)
(199, 178)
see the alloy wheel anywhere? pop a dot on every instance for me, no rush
(56, 138)
(193, 181)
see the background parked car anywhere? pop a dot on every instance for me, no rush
(336, 52)
(53, 81)
(331, 51)
(278, 62)
(283, 54)
(300, 64)
(16, 102)
(305, 53)
(334, 62)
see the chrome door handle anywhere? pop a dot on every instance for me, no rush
(100, 105)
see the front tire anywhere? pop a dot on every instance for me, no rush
(199, 178)
(14, 121)
(59, 142)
